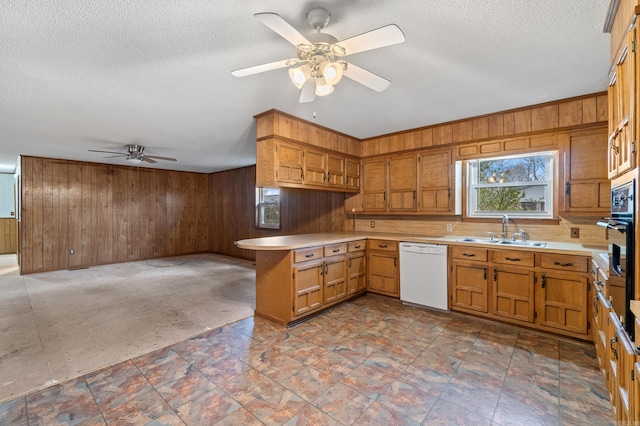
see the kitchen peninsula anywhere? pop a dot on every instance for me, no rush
(301, 275)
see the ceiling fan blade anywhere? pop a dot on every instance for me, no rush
(146, 159)
(260, 68)
(282, 27)
(109, 152)
(308, 91)
(374, 39)
(366, 78)
(159, 158)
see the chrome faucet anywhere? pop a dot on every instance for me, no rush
(505, 222)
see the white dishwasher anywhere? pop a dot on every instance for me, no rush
(423, 274)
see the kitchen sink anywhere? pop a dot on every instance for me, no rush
(538, 244)
(478, 240)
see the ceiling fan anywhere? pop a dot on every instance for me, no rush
(135, 154)
(319, 64)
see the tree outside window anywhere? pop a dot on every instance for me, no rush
(517, 185)
(268, 208)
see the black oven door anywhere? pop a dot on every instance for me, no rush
(621, 275)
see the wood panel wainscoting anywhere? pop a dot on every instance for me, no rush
(8, 235)
(77, 214)
(581, 111)
(232, 211)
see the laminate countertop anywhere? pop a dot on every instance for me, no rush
(293, 242)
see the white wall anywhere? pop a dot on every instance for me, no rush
(7, 203)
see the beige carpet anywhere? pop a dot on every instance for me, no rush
(59, 325)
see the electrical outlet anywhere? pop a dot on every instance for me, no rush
(449, 227)
(72, 251)
(373, 223)
(575, 232)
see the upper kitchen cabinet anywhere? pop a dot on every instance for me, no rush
(586, 185)
(294, 153)
(435, 182)
(622, 106)
(374, 185)
(389, 184)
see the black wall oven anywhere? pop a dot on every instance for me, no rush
(621, 249)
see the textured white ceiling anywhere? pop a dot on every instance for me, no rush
(86, 74)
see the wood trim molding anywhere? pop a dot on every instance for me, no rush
(611, 15)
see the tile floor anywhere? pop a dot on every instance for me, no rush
(371, 362)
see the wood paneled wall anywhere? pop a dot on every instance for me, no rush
(8, 235)
(107, 214)
(232, 211)
(567, 113)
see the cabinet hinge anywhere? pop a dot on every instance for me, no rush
(293, 274)
(276, 148)
(633, 375)
(633, 147)
(633, 45)
(535, 314)
(588, 325)
(293, 307)
(588, 286)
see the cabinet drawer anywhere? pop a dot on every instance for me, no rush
(469, 253)
(382, 245)
(356, 246)
(564, 262)
(514, 257)
(335, 249)
(311, 253)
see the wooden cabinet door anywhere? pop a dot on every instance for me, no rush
(434, 182)
(383, 273)
(374, 181)
(469, 289)
(625, 376)
(353, 174)
(562, 301)
(335, 171)
(622, 86)
(635, 401)
(587, 187)
(513, 290)
(402, 183)
(357, 267)
(335, 280)
(289, 163)
(307, 285)
(315, 165)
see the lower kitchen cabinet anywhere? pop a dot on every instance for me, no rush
(563, 291)
(307, 283)
(383, 270)
(335, 273)
(513, 290)
(356, 267)
(469, 285)
(562, 301)
(513, 285)
(292, 284)
(540, 290)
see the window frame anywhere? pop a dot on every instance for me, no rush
(471, 185)
(260, 205)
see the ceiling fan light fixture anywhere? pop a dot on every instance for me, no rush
(332, 72)
(299, 75)
(322, 88)
(134, 160)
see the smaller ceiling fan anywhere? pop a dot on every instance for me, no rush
(135, 154)
(319, 64)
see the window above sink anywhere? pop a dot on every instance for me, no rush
(518, 185)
